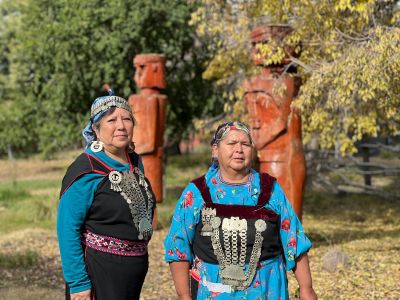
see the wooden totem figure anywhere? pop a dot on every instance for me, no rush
(149, 111)
(275, 126)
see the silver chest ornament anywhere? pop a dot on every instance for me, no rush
(232, 260)
(141, 210)
(207, 215)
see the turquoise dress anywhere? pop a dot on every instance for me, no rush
(270, 281)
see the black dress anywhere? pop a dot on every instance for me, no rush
(114, 274)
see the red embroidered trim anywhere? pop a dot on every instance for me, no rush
(113, 245)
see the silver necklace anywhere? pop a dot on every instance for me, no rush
(141, 210)
(232, 262)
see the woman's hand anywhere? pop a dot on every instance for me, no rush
(308, 294)
(303, 276)
(85, 295)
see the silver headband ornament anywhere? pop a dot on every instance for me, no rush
(111, 101)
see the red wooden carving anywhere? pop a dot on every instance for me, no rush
(149, 111)
(275, 126)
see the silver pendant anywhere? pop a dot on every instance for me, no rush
(145, 229)
(233, 274)
(96, 146)
(142, 179)
(207, 216)
(143, 182)
(115, 178)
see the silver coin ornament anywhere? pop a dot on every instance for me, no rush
(260, 225)
(216, 222)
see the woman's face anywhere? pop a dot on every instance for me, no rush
(234, 152)
(116, 130)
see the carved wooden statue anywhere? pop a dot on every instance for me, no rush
(149, 110)
(275, 126)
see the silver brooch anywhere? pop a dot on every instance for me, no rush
(115, 178)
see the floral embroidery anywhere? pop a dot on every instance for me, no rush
(170, 252)
(188, 200)
(292, 242)
(257, 283)
(214, 181)
(181, 255)
(290, 255)
(285, 225)
(220, 193)
(299, 232)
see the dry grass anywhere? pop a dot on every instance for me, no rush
(367, 229)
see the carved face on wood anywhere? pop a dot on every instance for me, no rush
(150, 71)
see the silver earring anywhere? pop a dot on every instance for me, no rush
(96, 146)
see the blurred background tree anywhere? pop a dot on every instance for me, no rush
(55, 56)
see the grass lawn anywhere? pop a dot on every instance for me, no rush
(365, 228)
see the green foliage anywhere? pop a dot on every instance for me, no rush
(28, 203)
(62, 52)
(15, 260)
(11, 193)
(349, 60)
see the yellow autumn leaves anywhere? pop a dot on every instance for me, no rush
(349, 61)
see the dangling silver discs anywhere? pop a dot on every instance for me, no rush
(115, 178)
(96, 146)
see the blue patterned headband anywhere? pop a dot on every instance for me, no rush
(99, 107)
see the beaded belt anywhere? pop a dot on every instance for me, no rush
(113, 245)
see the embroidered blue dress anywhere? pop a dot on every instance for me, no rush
(270, 281)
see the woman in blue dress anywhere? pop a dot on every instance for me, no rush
(233, 233)
(106, 210)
